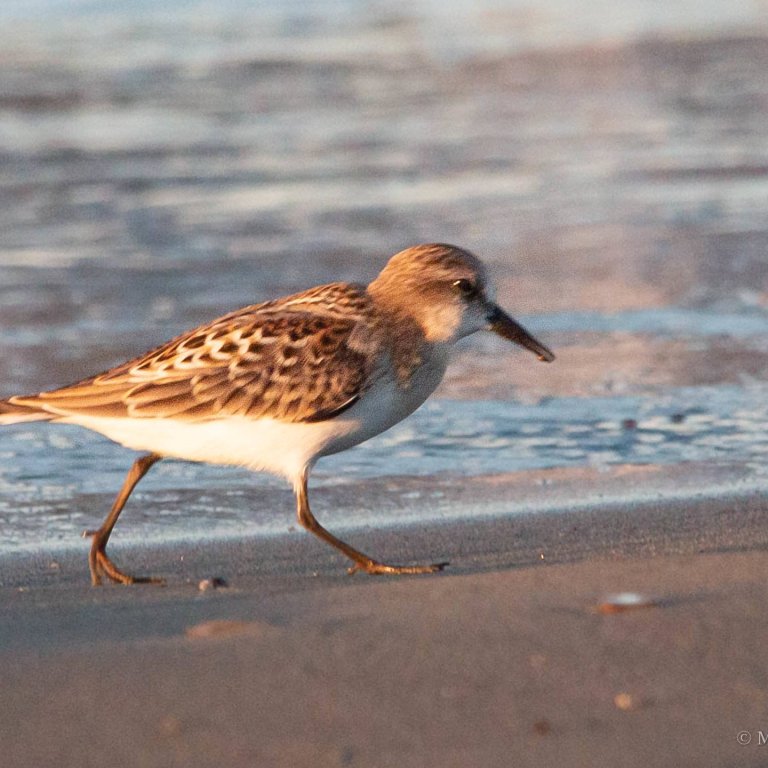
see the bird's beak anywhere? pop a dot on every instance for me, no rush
(500, 322)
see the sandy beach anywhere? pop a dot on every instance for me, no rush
(164, 163)
(511, 657)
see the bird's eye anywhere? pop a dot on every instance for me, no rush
(465, 288)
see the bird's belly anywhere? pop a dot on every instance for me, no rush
(282, 448)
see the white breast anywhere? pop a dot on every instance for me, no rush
(387, 403)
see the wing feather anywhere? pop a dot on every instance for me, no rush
(308, 357)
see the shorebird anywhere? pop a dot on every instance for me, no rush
(275, 386)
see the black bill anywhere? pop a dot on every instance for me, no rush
(500, 322)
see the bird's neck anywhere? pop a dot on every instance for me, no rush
(410, 349)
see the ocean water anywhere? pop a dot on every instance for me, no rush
(162, 163)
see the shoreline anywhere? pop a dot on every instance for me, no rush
(393, 507)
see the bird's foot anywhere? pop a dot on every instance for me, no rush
(374, 568)
(101, 566)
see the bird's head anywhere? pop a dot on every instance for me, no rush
(445, 289)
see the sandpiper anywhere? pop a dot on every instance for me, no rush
(275, 386)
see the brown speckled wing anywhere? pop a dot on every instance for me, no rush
(302, 358)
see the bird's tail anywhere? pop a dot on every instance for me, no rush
(11, 413)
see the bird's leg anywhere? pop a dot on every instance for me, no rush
(98, 561)
(361, 562)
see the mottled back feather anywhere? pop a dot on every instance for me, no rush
(302, 358)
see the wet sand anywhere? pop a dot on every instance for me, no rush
(505, 659)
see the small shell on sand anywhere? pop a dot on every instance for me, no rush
(214, 582)
(625, 601)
